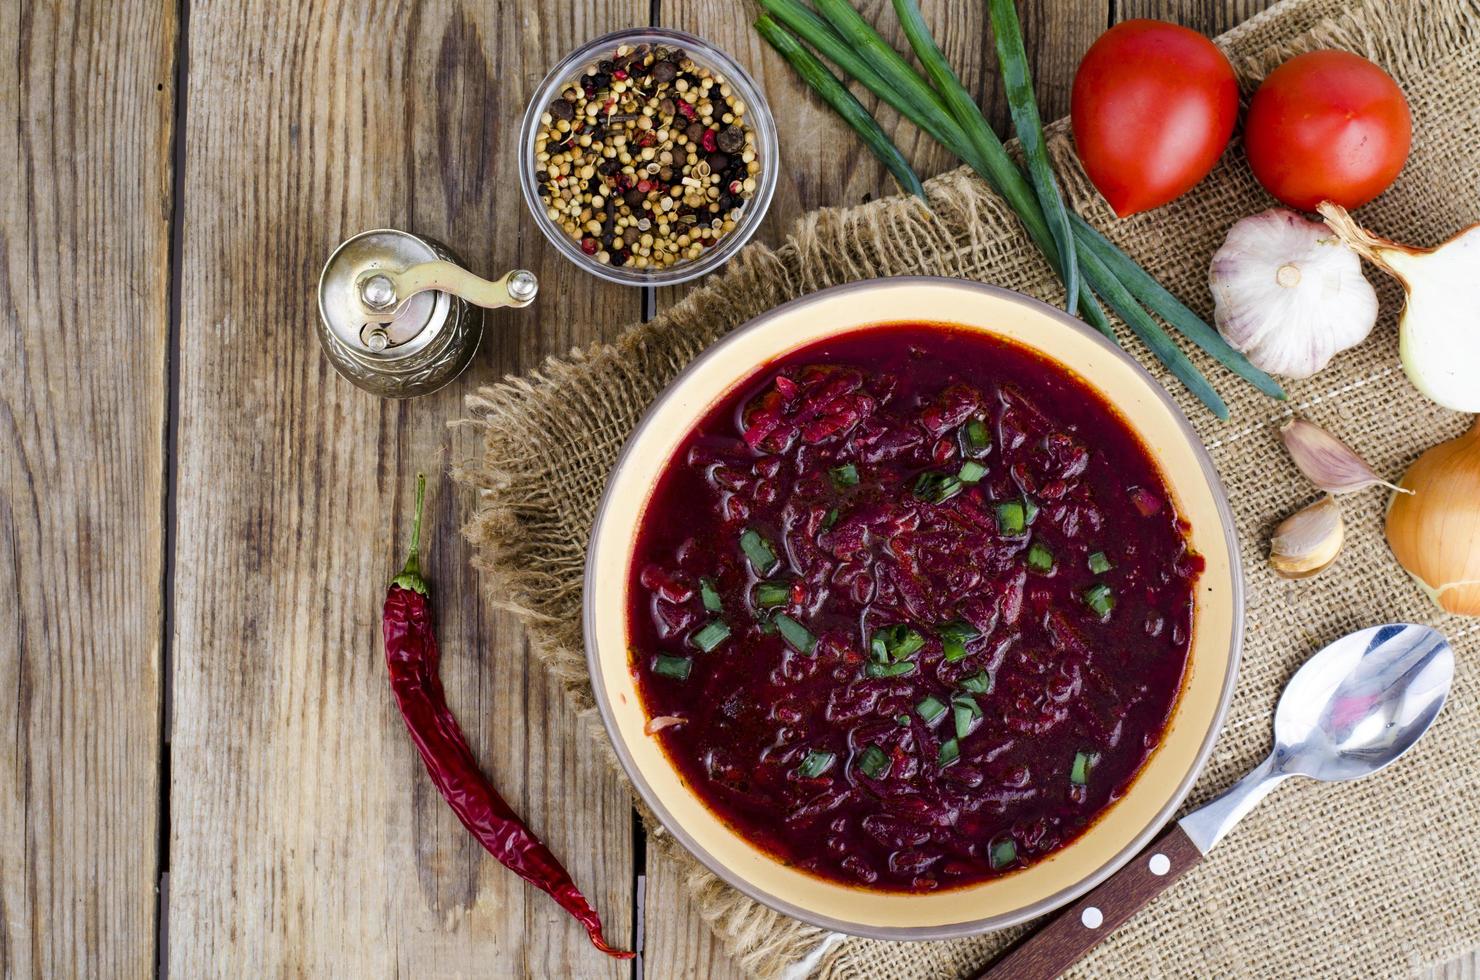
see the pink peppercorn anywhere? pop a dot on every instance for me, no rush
(707, 140)
(588, 245)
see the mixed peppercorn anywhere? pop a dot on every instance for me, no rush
(646, 159)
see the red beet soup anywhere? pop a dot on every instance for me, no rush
(910, 607)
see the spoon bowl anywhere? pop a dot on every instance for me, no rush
(1362, 701)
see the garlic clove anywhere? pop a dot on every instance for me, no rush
(1326, 461)
(1308, 541)
(1288, 294)
(1439, 331)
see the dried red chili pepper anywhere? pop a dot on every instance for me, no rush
(411, 656)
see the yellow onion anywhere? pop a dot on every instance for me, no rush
(1435, 530)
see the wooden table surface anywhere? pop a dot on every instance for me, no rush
(204, 773)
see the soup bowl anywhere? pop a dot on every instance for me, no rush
(1217, 619)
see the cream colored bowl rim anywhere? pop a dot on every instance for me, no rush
(1094, 877)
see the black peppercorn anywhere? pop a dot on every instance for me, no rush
(694, 133)
(664, 72)
(717, 162)
(731, 139)
(562, 109)
(634, 198)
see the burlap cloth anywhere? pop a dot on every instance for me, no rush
(1376, 877)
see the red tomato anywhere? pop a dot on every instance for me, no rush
(1327, 126)
(1153, 107)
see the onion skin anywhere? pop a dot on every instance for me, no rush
(1435, 531)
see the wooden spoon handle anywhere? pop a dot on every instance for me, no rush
(1055, 947)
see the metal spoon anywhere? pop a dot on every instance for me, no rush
(1351, 709)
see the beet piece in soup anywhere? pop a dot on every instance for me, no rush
(923, 601)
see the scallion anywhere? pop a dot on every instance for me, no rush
(902, 668)
(976, 440)
(953, 639)
(971, 472)
(1040, 559)
(1004, 852)
(769, 594)
(1017, 83)
(836, 94)
(815, 764)
(964, 711)
(978, 683)
(675, 667)
(936, 488)
(1098, 563)
(1100, 600)
(712, 635)
(903, 721)
(762, 556)
(710, 595)
(873, 763)
(898, 642)
(950, 751)
(1030, 509)
(930, 709)
(796, 634)
(1011, 519)
(830, 519)
(845, 476)
(1079, 772)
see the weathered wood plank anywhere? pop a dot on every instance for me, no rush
(84, 305)
(823, 164)
(306, 838)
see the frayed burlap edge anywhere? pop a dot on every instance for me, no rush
(529, 541)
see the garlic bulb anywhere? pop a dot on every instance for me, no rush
(1308, 541)
(1439, 333)
(1435, 531)
(1288, 294)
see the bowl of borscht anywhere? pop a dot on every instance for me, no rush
(913, 608)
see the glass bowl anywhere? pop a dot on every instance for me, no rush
(757, 112)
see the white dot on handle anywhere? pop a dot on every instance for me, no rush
(1091, 917)
(1160, 864)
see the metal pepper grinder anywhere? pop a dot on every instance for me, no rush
(399, 316)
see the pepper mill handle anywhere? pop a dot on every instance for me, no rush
(1076, 930)
(381, 294)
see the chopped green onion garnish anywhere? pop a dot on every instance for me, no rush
(930, 709)
(830, 519)
(1004, 852)
(761, 556)
(902, 720)
(975, 439)
(936, 488)
(676, 667)
(1011, 518)
(711, 635)
(978, 683)
(710, 595)
(845, 476)
(1098, 563)
(898, 641)
(1079, 774)
(954, 637)
(950, 751)
(815, 764)
(769, 594)
(873, 763)
(1040, 559)
(796, 634)
(964, 711)
(971, 472)
(766, 627)
(1030, 509)
(902, 668)
(1100, 599)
